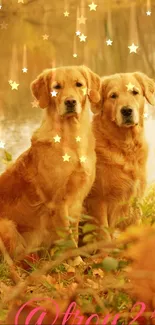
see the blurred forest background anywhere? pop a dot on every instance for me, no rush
(38, 34)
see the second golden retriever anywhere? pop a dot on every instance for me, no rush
(121, 147)
(41, 194)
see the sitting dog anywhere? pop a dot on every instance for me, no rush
(41, 194)
(121, 149)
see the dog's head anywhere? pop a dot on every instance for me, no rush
(65, 89)
(123, 98)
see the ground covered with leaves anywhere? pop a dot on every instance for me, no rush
(103, 284)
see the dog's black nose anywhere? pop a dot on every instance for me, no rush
(126, 111)
(70, 102)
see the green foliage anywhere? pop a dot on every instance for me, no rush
(8, 156)
(4, 271)
(88, 227)
(59, 269)
(148, 206)
(108, 264)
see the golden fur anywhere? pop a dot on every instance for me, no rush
(121, 148)
(40, 194)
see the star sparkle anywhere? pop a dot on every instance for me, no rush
(45, 37)
(82, 38)
(66, 13)
(35, 104)
(83, 159)
(82, 20)
(92, 6)
(109, 42)
(3, 25)
(66, 157)
(75, 55)
(24, 70)
(78, 33)
(133, 48)
(54, 93)
(57, 138)
(130, 86)
(148, 13)
(146, 115)
(78, 139)
(2, 144)
(14, 85)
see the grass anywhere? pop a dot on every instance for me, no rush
(98, 286)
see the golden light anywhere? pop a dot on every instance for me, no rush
(2, 144)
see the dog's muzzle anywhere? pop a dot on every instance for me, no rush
(70, 104)
(127, 115)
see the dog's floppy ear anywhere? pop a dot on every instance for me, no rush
(94, 86)
(40, 89)
(148, 86)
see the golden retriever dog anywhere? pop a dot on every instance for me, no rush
(41, 194)
(121, 148)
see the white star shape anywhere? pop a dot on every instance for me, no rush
(133, 48)
(109, 42)
(24, 70)
(148, 13)
(45, 37)
(78, 33)
(54, 93)
(92, 6)
(130, 86)
(14, 85)
(66, 157)
(57, 138)
(75, 55)
(82, 20)
(35, 103)
(3, 25)
(83, 159)
(146, 115)
(2, 144)
(82, 38)
(66, 13)
(78, 139)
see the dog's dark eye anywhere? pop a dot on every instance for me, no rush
(57, 86)
(78, 84)
(113, 95)
(135, 92)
